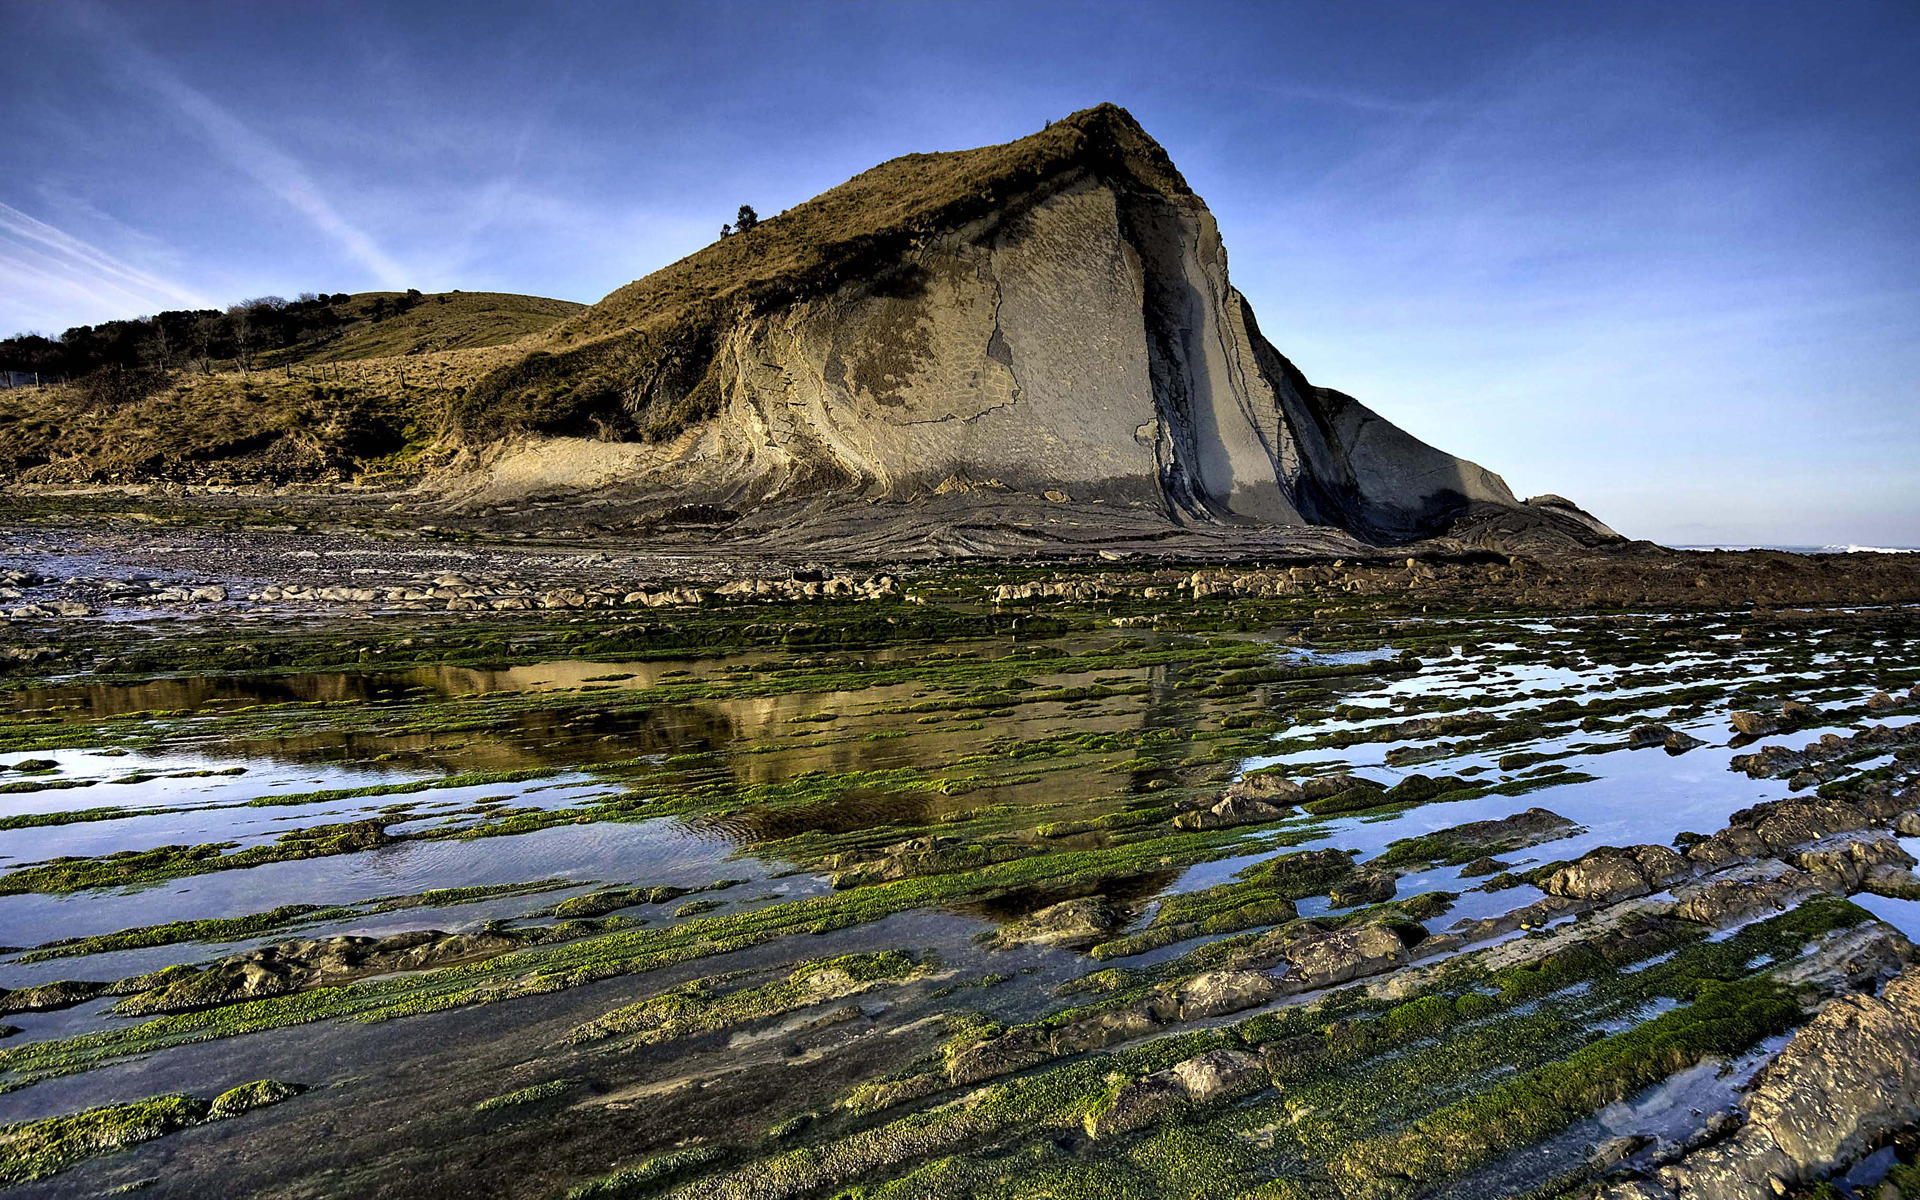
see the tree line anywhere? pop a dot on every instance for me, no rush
(189, 339)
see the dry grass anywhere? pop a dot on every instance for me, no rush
(298, 422)
(638, 365)
(434, 324)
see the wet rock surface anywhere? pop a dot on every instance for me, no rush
(1008, 783)
(294, 966)
(1610, 874)
(1849, 1078)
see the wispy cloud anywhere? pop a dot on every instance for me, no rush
(40, 260)
(249, 151)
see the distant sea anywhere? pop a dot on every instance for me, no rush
(1814, 549)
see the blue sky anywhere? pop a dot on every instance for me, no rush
(1662, 259)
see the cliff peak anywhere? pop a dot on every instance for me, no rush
(1045, 322)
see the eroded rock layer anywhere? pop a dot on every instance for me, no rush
(1056, 329)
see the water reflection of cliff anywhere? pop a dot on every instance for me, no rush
(761, 740)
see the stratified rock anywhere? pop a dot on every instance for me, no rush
(1015, 1050)
(296, 965)
(1641, 737)
(1611, 873)
(1233, 810)
(1798, 712)
(1220, 1075)
(1134, 1104)
(1841, 862)
(1365, 887)
(1777, 826)
(249, 1096)
(1269, 788)
(1045, 326)
(1850, 1077)
(1680, 741)
(1742, 892)
(1217, 993)
(49, 997)
(1323, 959)
(1752, 724)
(1518, 831)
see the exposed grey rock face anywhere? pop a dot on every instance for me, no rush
(1365, 887)
(1744, 891)
(1848, 1078)
(1652, 734)
(1217, 993)
(292, 966)
(1530, 827)
(1217, 1075)
(1640, 737)
(1236, 808)
(1325, 959)
(1843, 862)
(1752, 724)
(1220, 1075)
(1609, 873)
(1081, 349)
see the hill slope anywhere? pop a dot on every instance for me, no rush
(335, 389)
(1048, 321)
(1031, 347)
(381, 324)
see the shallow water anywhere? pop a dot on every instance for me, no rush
(761, 786)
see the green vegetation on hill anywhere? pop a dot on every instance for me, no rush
(639, 364)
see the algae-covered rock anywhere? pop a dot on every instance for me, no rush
(312, 962)
(1014, 1050)
(1849, 1078)
(1068, 922)
(49, 997)
(249, 1096)
(1131, 1104)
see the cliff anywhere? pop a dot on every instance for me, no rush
(1048, 322)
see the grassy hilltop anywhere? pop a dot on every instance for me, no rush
(640, 364)
(376, 325)
(335, 387)
(363, 390)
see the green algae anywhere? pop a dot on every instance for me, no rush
(703, 1007)
(32, 1150)
(287, 916)
(532, 1094)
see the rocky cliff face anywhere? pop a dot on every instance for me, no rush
(1056, 327)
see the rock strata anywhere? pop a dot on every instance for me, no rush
(1850, 1077)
